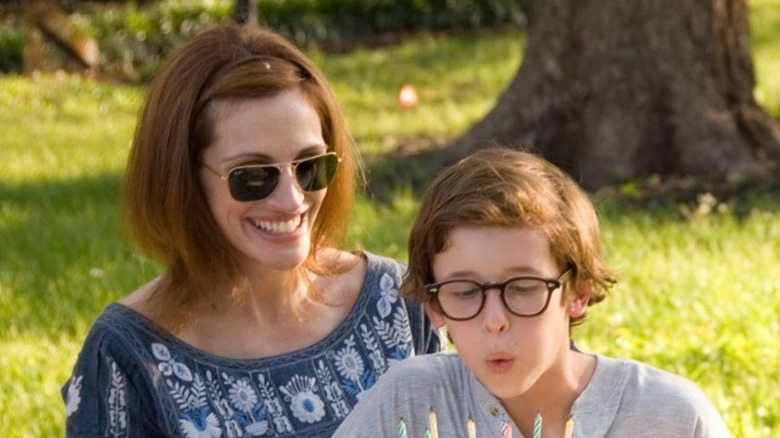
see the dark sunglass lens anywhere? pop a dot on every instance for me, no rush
(316, 173)
(253, 183)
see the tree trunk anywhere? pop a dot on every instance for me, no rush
(612, 90)
(245, 12)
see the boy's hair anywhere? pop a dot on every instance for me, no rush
(164, 203)
(509, 188)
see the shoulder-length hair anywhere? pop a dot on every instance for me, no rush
(164, 204)
(509, 188)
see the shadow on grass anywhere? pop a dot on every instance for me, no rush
(416, 167)
(64, 254)
(402, 168)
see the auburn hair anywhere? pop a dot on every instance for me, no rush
(503, 187)
(164, 204)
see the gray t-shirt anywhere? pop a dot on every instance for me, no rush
(624, 398)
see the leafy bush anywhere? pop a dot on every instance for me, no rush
(133, 36)
(133, 40)
(11, 46)
(340, 24)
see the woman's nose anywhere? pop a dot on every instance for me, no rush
(287, 195)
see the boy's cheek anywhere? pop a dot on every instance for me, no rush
(436, 318)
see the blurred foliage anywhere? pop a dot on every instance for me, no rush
(11, 46)
(134, 35)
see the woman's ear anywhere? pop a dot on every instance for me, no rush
(433, 314)
(578, 301)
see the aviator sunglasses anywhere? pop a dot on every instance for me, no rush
(257, 181)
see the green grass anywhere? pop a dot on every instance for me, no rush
(700, 296)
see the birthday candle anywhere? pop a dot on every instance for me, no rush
(569, 428)
(432, 424)
(401, 428)
(506, 428)
(472, 429)
(427, 433)
(538, 425)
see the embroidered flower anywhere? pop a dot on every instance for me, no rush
(257, 428)
(242, 395)
(169, 365)
(349, 363)
(388, 294)
(73, 398)
(304, 403)
(307, 407)
(255, 421)
(200, 423)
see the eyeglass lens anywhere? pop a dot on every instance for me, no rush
(252, 183)
(463, 299)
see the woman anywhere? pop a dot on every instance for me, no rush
(240, 180)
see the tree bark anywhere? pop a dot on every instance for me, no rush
(612, 90)
(245, 12)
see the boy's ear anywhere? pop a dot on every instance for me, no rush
(578, 303)
(436, 318)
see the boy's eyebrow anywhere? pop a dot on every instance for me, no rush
(515, 271)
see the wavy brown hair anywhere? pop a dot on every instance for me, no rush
(164, 204)
(509, 188)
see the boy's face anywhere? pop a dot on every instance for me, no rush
(512, 356)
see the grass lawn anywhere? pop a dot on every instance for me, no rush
(700, 293)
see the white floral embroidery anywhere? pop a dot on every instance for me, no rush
(161, 352)
(242, 395)
(307, 407)
(334, 395)
(388, 293)
(73, 398)
(257, 428)
(169, 365)
(304, 403)
(349, 363)
(208, 429)
(276, 412)
(117, 402)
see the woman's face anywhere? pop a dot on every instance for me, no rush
(273, 233)
(509, 354)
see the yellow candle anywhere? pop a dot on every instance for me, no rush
(432, 425)
(471, 428)
(569, 428)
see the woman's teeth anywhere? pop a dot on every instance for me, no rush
(279, 227)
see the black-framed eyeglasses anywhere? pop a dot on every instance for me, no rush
(257, 181)
(461, 299)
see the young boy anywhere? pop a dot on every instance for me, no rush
(506, 253)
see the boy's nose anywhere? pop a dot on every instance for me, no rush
(495, 316)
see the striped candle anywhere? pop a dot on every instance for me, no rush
(538, 425)
(401, 428)
(506, 428)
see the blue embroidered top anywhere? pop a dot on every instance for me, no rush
(132, 379)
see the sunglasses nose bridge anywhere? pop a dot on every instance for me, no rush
(288, 174)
